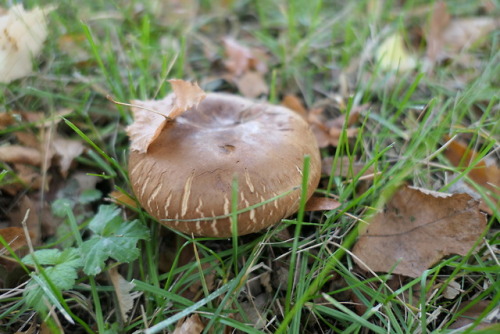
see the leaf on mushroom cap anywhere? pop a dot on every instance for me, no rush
(150, 116)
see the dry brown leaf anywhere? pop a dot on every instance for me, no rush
(439, 21)
(238, 57)
(328, 132)
(344, 167)
(462, 33)
(392, 55)
(416, 230)
(471, 314)
(17, 216)
(147, 125)
(486, 175)
(122, 290)
(122, 199)
(252, 84)
(72, 45)
(191, 325)
(294, 103)
(14, 236)
(20, 154)
(150, 117)
(22, 34)
(67, 150)
(6, 119)
(186, 96)
(321, 204)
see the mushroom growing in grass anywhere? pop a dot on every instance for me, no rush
(182, 172)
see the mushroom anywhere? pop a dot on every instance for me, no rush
(185, 178)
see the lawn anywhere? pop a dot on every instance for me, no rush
(402, 235)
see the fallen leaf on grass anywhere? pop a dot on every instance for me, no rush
(321, 204)
(246, 68)
(122, 199)
(471, 314)
(252, 84)
(14, 237)
(485, 175)
(416, 230)
(294, 103)
(122, 290)
(392, 55)
(191, 325)
(327, 131)
(448, 37)
(22, 33)
(67, 150)
(20, 154)
(151, 116)
(6, 119)
(344, 167)
(240, 59)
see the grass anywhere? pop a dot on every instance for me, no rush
(317, 50)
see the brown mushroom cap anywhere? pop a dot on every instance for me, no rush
(188, 170)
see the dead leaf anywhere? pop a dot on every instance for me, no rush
(344, 167)
(452, 290)
(471, 314)
(72, 45)
(6, 119)
(67, 150)
(416, 230)
(392, 55)
(122, 290)
(186, 96)
(321, 204)
(14, 236)
(439, 21)
(175, 12)
(252, 84)
(20, 154)
(238, 57)
(462, 33)
(22, 34)
(328, 132)
(294, 103)
(486, 175)
(32, 222)
(150, 117)
(122, 199)
(191, 325)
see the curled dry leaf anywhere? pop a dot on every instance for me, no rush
(240, 59)
(486, 175)
(122, 199)
(252, 84)
(6, 119)
(191, 325)
(122, 290)
(448, 37)
(416, 230)
(150, 117)
(326, 131)
(14, 236)
(67, 150)
(294, 103)
(344, 167)
(471, 314)
(392, 55)
(22, 33)
(321, 204)
(246, 68)
(20, 154)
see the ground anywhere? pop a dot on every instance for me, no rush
(401, 237)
